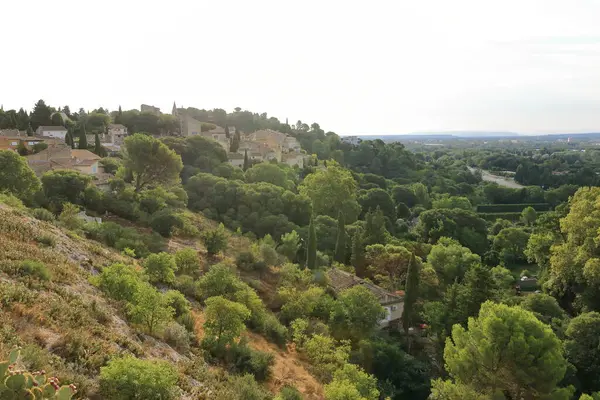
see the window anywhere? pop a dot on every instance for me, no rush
(13, 143)
(394, 308)
(31, 143)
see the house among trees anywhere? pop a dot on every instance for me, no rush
(393, 303)
(145, 108)
(59, 132)
(64, 157)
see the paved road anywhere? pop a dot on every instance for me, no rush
(500, 180)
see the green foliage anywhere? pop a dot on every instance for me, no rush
(582, 347)
(340, 244)
(15, 175)
(512, 208)
(198, 154)
(288, 393)
(261, 208)
(69, 216)
(215, 240)
(375, 227)
(131, 378)
(404, 195)
(187, 261)
(164, 222)
(177, 301)
(332, 190)
(160, 267)
(377, 198)
(388, 264)
(224, 319)
(464, 226)
(400, 375)
(34, 269)
(119, 281)
(411, 294)
(528, 216)
(349, 381)
(358, 257)
(62, 186)
(521, 355)
(356, 314)
(150, 308)
(270, 173)
(511, 243)
(11, 200)
(312, 302)
(453, 202)
(450, 260)
(311, 248)
(150, 162)
(326, 356)
(43, 215)
(111, 164)
(290, 244)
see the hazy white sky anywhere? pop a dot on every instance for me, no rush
(356, 67)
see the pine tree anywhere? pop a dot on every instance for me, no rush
(29, 130)
(375, 227)
(411, 293)
(22, 120)
(246, 162)
(340, 244)
(311, 249)
(83, 144)
(227, 131)
(358, 258)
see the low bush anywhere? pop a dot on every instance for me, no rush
(46, 240)
(178, 337)
(178, 302)
(34, 269)
(165, 221)
(289, 393)
(43, 215)
(215, 240)
(245, 360)
(274, 330)
(187, 261)
(131, 378)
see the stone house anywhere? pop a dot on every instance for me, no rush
(58, 132)
(236, 159)
(393, 303)
(64, 157)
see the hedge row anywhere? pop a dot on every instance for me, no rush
(511, 216)
(510, 208)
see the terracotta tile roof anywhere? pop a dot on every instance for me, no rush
(341, 280)
(84, 154)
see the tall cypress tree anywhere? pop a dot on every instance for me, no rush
(227, 131)
(340, 244)
(358, 257)
(246, 161)
(411, 293)
(83, 144)
(97, 145)
(69, 138)
(311, 249)
(29, 130)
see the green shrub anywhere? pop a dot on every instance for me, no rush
(160, 267)
(165, 221)
(119, 281)
(246, 388)
(186, 285)
(11, 200)
(131, 378)
(187, 261)
(46, 240)
(245, 261)
(215, 240)
(178, 337)
(245, 360)
(34, 269)
(187, 320)
(93, 198)
(111, 164)
(274, 330)
(178, 302)
(68, 217)
(289, 393)
(43, 215)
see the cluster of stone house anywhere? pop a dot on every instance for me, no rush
(262, 145)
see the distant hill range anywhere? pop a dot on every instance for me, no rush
(454, 135)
